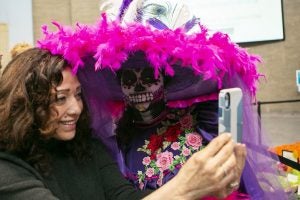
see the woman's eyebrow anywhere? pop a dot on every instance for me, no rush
(67, 89)
(63, 90)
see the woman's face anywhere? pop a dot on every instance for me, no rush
(68, 106)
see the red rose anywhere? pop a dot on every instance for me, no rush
(155, 142)
(153, 156)
(186, 122)
(172, 133)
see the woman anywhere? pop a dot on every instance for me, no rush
(47, 151)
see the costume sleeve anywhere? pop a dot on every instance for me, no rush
(207, 119)
(17, 182)
(115, 186)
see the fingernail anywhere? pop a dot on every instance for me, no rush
(227, 135)
(241, 144)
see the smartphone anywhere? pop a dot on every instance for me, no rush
(230, 112)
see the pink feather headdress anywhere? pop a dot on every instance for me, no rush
(110, 43)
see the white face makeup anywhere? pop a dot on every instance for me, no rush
(68, 106)
(140, 87)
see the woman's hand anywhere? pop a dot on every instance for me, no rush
(214, 171)
(240, 153)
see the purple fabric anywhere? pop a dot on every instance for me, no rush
(191, 23)
(180, 87)
(157, 24)
(123, 7)
(260, 167)
(96, 98)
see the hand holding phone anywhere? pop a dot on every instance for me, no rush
(230, 112)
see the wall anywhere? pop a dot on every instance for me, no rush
(4, 44)
(63, 11)
(281, 60)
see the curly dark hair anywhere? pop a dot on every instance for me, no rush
(25, 108)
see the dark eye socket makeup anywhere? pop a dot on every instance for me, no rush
(128, 78)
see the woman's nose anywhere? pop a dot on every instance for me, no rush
(75, 107)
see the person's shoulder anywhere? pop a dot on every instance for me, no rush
(19, 180)
(13, 169)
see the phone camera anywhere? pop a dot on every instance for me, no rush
(227, 100)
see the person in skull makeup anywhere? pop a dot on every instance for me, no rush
(156, 140)
(143, 92)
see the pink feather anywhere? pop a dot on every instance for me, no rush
(111, 43)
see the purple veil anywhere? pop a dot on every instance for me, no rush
(96, 53)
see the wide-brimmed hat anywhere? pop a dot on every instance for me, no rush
(199, 65)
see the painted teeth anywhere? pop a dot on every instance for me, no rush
(140, 98)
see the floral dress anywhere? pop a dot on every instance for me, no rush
(157, 154)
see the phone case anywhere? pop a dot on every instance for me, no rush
(230, 112)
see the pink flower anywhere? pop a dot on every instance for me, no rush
(164, 160)
(175, 146)
(186, 152)
(146, 161)
(141, 186)
(159, 182)
(150, 172)
(186, 122)
(194, 140)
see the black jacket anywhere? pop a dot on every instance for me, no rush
(98, 178)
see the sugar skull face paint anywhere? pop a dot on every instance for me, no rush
(141, 88)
